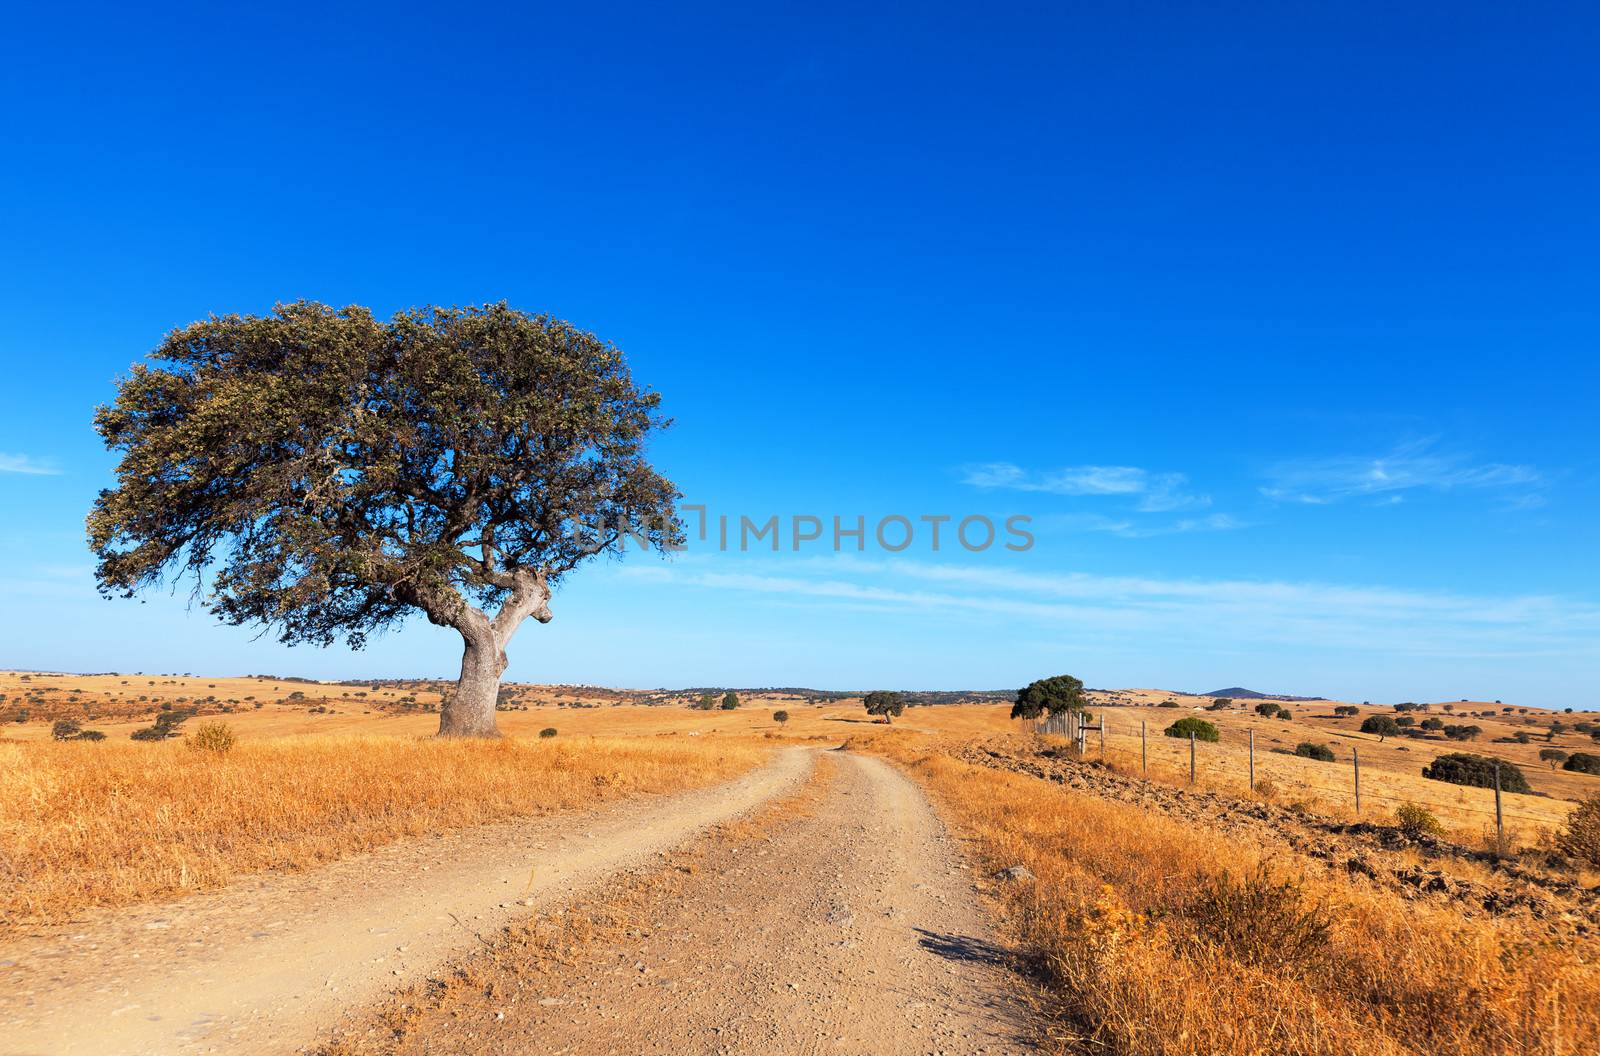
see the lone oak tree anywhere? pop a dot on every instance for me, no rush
(883, 702)
(343, 471)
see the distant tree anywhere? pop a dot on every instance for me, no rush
(1202, 730)
(1050, 696)
(1346, 710)
(1405, 706)
(706, 702)
(1285, 714)
(1554, 756)
(346, 472)
(1319, 752)
(1220, 703)
(1433, 724)
(1382, 725)
(1463, 768)
(780, 717)
(1582, 763)
(1405, 720)
(730, 700)
(66, 729)
(1555, 728)
(1266, 709)
(884, 704)
(1463, 733)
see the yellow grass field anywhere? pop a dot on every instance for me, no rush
(322, 770)
(111, 823)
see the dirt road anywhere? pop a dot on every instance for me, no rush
(853, 929)
(266, 966)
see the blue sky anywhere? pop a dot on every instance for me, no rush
(1280, 323)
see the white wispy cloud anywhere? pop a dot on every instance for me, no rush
(1152, 492)
(1247, 613)
(28, 465)
(1131, 528)
(1415, 466)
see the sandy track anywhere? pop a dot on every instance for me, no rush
(852, 930)
(268, 964)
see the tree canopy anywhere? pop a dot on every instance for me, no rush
(1049, 695)
(324, 473)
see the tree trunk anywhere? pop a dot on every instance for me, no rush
(470, 711)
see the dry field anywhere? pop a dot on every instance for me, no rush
(1160, 918)
(1161, 936)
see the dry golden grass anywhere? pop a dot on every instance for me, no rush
(1145, 966)
(113, 823)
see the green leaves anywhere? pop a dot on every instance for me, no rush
(1052, 695)
(336, 471)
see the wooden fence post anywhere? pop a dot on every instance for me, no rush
(1102, 736)
(1355, 756)
(1499, 819)
(1191, 758)
(1252, 760)
(1144, 757)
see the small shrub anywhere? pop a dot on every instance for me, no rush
(214, 737)
(780, 717)
(1202, 730)
(1414, 820)
(1266, 709)
(548, 731)
(1265, 788)
(1167, 704)
(1309, 750)
(1580, 840)
(1260, 920)
(65, 730)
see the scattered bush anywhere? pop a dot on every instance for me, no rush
(1464, 768)
(1346, 710)
(1167, 704)
(1415, 820)
(730, 700)
(1266, 709)
(780, 717)
(548, 731)
(1582, 763)
(166, 725)
(66, 729)
(214, 737)
(1382, 725)
(1200, 728)
(1309, 750)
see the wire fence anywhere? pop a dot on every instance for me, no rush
(1234, 757)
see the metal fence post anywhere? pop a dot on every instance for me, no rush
(1355, 756)
(1252, 760)
(1191, 758)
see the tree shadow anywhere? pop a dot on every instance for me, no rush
(964, 948)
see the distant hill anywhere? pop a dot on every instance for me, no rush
(1240, 693)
